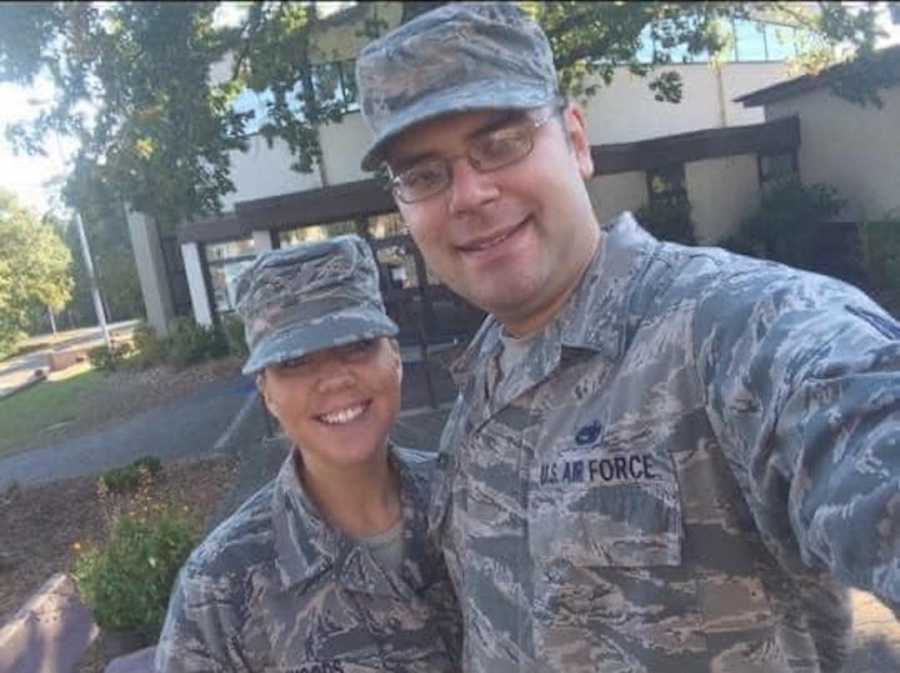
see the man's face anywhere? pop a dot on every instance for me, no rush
(512, 241)
(337, 405)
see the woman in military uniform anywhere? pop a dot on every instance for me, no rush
(327, 569)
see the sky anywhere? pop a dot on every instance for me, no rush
(28, 176)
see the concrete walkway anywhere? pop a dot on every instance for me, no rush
(18, 371)
(187, 427)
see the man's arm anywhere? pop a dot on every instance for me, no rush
(802, 378)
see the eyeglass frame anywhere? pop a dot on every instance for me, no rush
(393, 186)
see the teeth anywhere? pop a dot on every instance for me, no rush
(343, 416)
(491, 242)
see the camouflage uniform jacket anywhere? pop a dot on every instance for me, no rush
(274, 588)
(678, 472)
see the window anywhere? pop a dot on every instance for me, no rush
(776, 167)
(226, 261)
(781, 42)
(666, 186)
(332, 82)
(386, 226)
(315, 232)
(749, 41)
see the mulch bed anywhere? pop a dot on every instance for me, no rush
(41, 527)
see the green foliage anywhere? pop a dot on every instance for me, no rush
(109, 359)
(670, 222)
(233, 327)
(34, 269)
(28, 416)
(785, 226)
(188, 342)
(149, 348)
(127, 479)
(164, 127)
(881, 253)
(163, 130)
(127, 581)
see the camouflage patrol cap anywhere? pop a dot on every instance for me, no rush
(459, 57)
(308, 298)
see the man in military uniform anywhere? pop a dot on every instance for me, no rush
(326, 569)
(663, 458)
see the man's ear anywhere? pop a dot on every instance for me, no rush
(576, 129)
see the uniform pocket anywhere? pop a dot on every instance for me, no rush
(620, 510)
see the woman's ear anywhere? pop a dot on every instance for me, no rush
(264, 393)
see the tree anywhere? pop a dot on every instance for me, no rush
(34, 269)
(163, 128)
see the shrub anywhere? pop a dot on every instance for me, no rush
(149, 350)
(233, 327)
(786, 225)
(109, 359)
(126, 582)
(188, 342)
(881, 254)
(127, 479)
(670, 221)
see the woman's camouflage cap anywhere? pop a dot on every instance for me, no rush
(308, 298)
(460, 57)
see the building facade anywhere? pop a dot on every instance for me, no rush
(708, 150)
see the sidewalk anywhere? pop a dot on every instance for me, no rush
(18, 371)
(223, 417)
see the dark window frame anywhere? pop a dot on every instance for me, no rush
(669, 195)
(764, 178)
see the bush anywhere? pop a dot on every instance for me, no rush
(786, 225)
(669, 222)
(881, 255)
(234, 335)
(127, 581)
(188, 342)
(149, 350)
(110, 359)
(127, 479)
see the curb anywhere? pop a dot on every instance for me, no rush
(50, 632)
(236, 423)
(33, 381)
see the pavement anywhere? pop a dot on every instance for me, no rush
(53, 629)
(187, 427)
(226, 418)
(19, 371)
(222, 417)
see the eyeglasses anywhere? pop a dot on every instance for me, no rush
(491, 151)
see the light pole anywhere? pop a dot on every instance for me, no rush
(95, 289)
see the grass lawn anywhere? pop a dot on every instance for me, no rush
(49, 403)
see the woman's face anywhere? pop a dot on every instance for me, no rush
(337, 405)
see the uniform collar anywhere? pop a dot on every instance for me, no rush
(593, 317)
(307, 547)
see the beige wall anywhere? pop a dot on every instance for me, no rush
(626, 111)
(343, 146)
(260, 172)
(339, 42)
(722, 192)
(611, 194)
(855, 149)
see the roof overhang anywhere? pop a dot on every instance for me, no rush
(782, 135)
(799, 85)
(363, 198)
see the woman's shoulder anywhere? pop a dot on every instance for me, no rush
(243, 541)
